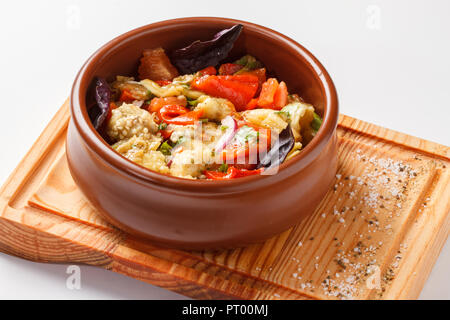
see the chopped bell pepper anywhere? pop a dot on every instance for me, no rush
(188, 118)
(252, 104)
(281, 96)
(126, 96)
(163, 83)
(166, 133)
(112, 106)
(237, 89)
(232, 173)
(175, 114)
(214, 175)
(260, 73)
(267, 94)
(158, 103)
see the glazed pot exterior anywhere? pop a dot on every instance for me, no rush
(202, 219)
(203, 214)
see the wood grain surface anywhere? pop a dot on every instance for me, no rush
(375, 235)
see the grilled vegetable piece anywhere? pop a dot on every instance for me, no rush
(187, 163)
(266, 118)
(129, 120)
(214, 108)
(279, 150)
(156, 66)
(131, 91)
(171, 90)
(300, 116)
(201, 54)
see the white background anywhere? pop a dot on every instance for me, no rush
(390, 61)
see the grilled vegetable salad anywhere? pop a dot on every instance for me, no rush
(192, 115)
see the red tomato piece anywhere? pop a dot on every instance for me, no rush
(208, 71)
(229, 68)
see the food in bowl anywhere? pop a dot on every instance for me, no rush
(202, 214)
(195, 115)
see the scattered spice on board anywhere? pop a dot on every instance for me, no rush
(374, 200)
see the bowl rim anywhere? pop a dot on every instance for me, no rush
(98, 145)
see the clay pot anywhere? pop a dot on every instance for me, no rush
(202, 214)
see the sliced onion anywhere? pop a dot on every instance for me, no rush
(138, 103)
(175, 150)
(231, 125)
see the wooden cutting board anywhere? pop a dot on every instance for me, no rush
(376, 234)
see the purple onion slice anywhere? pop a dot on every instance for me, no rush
(230, 126)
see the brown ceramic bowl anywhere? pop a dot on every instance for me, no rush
(203, 214)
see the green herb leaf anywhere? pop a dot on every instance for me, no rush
(166, 149)
(223, 167)
(162, 126)
(283, 114)
(193, 103)
(179, 141)
(316, 123)
(249, 62)
(246, 134)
